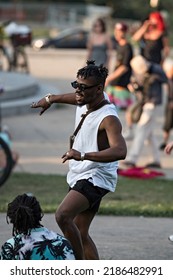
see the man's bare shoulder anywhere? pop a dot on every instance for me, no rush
(110, 120)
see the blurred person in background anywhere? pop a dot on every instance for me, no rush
(99, 44)
(6, 136)
(150, 77)
(3, 47)
(154, 43)
(168, 113)
(117, 81)
(153, 38)
(168, 149)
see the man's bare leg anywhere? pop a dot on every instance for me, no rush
(83, 221)
(73, 203)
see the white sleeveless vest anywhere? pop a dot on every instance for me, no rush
(103, 174)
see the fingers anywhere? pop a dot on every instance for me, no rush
(42, 111)
(37, 105)
(64, 160)
(34, 105)
(167, 152)
(71, 154)
(65, 157)
(168, 149)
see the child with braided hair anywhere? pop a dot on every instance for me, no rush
(31, 240)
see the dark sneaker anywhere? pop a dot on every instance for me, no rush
(153, 165)
(162, 146)
(129, 164)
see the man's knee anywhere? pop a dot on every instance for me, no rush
(62, 218)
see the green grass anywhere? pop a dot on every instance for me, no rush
(132, 197)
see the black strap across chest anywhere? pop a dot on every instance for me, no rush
(98, 106)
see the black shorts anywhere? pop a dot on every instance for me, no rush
(93, 193)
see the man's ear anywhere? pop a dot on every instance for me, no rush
(100, 87)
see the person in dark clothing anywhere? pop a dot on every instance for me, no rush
(153, 38)
(117, 81)
(168, 115)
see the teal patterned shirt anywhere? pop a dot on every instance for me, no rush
(41, 244)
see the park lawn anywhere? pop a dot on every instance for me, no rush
(133, 197)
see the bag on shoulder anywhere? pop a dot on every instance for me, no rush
(136, 111)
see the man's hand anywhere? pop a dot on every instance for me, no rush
(71, 154)
(169, 148)
(42, 103)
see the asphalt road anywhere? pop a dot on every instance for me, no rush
(120, 238)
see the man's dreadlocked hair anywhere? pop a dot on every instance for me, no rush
(99, 73)
(25, 213)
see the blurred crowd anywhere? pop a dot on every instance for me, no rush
(137, 83)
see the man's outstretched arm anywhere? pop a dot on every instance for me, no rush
(49, 99)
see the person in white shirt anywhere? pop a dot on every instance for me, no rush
(93, 156)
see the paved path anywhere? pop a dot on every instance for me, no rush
(42, 140)
(121, 238)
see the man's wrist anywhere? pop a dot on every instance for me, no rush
(82, 156)
(47, 98)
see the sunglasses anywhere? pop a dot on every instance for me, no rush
(81, 87)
